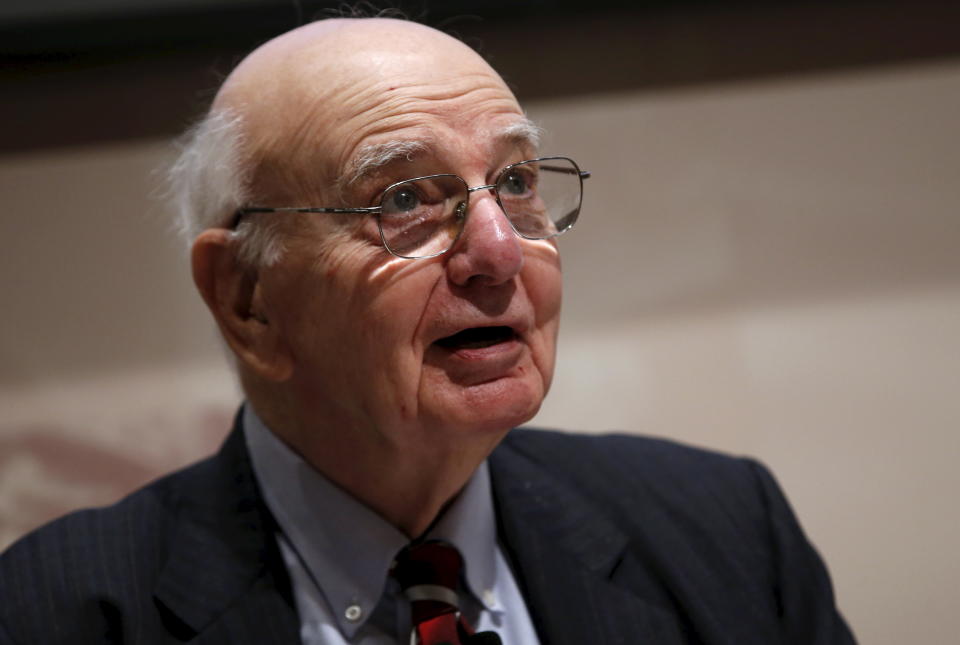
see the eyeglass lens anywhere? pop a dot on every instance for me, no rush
(423, 217)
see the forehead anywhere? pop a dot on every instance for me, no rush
(458, 116)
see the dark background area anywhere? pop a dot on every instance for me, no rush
(107, 70)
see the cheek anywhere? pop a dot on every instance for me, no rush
(544, 286)
(542, 280)
(393, 316)
(322, 299)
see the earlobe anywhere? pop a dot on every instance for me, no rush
(234, 295)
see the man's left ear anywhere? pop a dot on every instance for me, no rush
(234, 295)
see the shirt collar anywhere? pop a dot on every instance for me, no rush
(469, 524)
(346, 547)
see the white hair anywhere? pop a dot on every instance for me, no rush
(373, 156)
(209, 181)
(525, 131)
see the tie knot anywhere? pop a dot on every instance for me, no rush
(433, 563)
(429, 574)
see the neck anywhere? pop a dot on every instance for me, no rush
(408, 484)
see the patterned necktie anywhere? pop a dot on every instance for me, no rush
(429, 573)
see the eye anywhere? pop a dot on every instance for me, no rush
(402, 200)
(514, 183)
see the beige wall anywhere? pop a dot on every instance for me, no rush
(767, 268)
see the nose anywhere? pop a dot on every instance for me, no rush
(489, 251)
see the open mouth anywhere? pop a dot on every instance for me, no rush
(477, 338)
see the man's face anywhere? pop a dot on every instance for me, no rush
(459, 343)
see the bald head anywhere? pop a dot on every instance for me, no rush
(313, 100)
(343, 51)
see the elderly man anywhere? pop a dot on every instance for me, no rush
(375, 236)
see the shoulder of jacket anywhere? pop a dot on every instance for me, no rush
(540, 444)
(139, 522)
(612, 467)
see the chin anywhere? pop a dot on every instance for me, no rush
(496, 407)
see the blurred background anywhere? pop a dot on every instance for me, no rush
(766, 263)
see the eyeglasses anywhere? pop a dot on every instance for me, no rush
(424, 217)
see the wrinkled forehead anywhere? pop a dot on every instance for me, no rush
(315, 100)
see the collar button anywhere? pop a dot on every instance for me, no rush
(353, 613)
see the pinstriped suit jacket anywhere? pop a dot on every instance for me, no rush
(613, 540)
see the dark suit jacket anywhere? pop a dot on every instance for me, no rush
(613, 540)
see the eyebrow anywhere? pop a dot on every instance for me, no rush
(523, 132)
(377, 155)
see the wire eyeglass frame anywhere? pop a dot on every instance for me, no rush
(461, 211)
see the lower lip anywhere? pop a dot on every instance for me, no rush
(478, 363)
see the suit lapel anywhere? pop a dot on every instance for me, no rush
(259, 616)
(570, 561)
(224, 574)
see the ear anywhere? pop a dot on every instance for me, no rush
(233, 294)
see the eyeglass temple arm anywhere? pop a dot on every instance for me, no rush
(584, 174)
(306, 209)
(238, 215)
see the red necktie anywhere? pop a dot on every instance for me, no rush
(429, 574)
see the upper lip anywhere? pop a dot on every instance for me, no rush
(517, 323)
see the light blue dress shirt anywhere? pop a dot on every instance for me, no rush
(338, 553)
